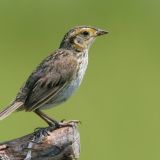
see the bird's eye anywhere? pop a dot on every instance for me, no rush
(85, 33)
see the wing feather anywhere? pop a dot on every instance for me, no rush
(56, 75)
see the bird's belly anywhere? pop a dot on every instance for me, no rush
(64, 95)
(67, 92)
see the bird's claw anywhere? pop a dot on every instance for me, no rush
(70, 123)
(41, 133)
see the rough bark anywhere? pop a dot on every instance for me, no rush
(60, 144)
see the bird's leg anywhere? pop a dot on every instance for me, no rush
(40, 133)
(51, 122)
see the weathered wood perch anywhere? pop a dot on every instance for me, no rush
(60, 144)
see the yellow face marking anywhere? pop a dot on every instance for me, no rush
(81, 30)
(86, 41)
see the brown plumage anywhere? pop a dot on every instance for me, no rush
(57, 76)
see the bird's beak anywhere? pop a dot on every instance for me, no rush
(101, 32)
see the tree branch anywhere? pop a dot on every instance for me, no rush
(60, 144)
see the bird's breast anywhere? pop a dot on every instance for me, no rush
(74, 84)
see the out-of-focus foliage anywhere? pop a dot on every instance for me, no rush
(119, 100)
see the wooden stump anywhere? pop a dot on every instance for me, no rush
(60, 144)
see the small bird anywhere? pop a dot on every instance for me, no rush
(57, 76)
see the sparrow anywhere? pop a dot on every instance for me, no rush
(57, 76)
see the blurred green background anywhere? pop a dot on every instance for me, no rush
(119, 100)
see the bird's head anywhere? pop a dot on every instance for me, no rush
(81, 38)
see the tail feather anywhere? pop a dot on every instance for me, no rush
(7, 111)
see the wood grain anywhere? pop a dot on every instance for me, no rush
(60, 144)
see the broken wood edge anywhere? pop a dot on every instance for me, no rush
(61, 144)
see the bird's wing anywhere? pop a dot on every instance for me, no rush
(56, 74)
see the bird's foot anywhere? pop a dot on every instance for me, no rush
(41, 133)
(63, 123)
(69, 123)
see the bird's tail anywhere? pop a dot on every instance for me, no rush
(7, 111)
